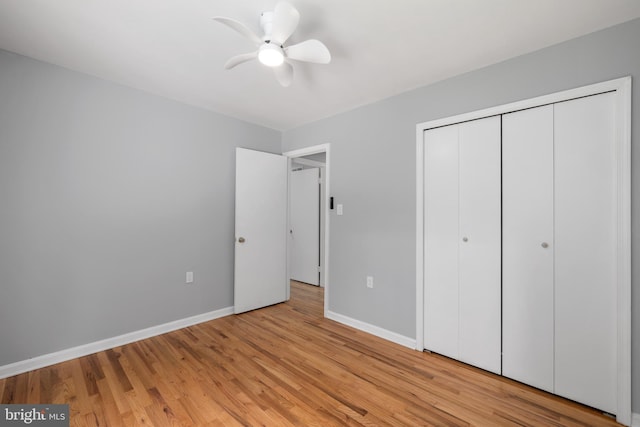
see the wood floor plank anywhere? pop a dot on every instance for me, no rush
(285, 365)
(33, 393)
(107, 403)
(111, 384)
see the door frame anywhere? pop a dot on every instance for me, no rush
(622, 89)
(322, 148)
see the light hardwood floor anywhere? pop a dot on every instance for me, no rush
(285, 365)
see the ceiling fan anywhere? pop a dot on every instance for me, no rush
(277, 27)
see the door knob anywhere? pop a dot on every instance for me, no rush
(464, 239)
(545, 245)
(241, 240)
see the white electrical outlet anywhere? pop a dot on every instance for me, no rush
(369, 281)
(189, 277)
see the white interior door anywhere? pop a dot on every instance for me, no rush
(479, 240)
(559, 249)
(528, 246)
(586, 251)
(260, 230)
(462, 242)
(305, 226)
(441, 183)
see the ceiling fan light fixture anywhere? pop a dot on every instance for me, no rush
(277, 26)
(271, 55)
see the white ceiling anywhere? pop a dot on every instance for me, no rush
(380, 47)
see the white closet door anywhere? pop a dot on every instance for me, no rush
(441, 241)
(479, 239)
(527, 227)
(585, 253)
(462, 242)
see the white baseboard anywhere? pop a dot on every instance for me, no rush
(373, 330)
(94, 347)
(635, 420)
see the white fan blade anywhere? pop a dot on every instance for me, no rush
(309, 51)
(239, 59)
(285, 21)
(284, 74)
(239, 27)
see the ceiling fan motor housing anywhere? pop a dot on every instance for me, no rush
(266, 23)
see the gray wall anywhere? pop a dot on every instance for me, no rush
(108, 195)
(376, 234)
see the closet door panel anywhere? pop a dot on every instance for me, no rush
(441, 240)
(585, 271)
(527, 207)
(479, 240)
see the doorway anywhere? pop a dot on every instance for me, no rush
(318, 158)
(305, 219)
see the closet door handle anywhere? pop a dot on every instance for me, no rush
(465, 239)
(545, 245)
